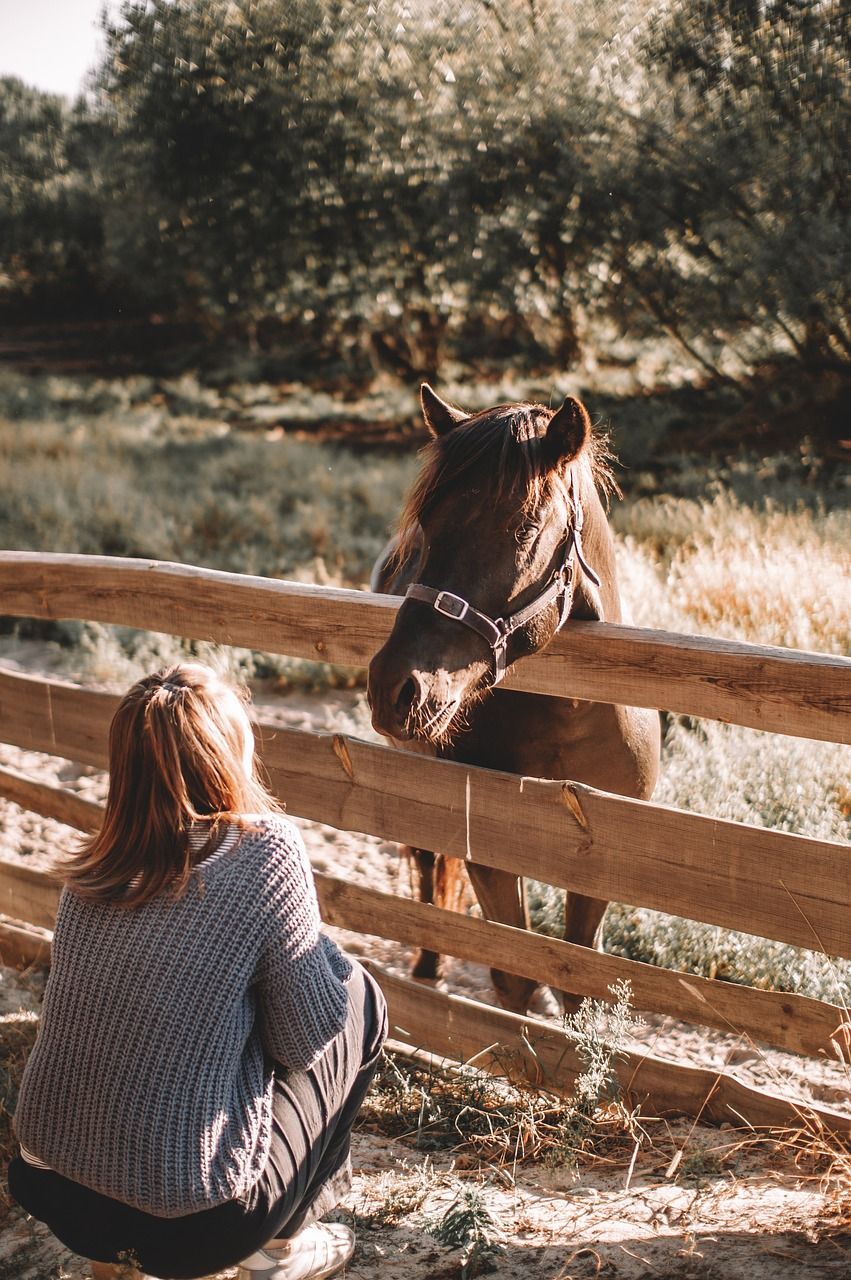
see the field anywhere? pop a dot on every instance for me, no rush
(293, 483)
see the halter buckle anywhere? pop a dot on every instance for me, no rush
(450, 605)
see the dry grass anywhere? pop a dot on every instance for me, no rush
(502, 1123)
(494, 1128)
(258, 504)
(763, 573)
(488, 1123)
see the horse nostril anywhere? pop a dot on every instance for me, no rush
(408, 697)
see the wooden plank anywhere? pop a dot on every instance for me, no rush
(786, 887)
(23, 945)
(323, 623)
(28, 894)
(791, 1022)
(51, 802)
(782, 690)
(790, 691)
(58, 718)
(522, 1048)
(528, 1049)
(780, 886)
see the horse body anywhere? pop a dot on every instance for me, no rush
(494, 523)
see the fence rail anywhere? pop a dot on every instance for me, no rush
(786, 887)
(791, 1022)
(791, 888)
(781, 690)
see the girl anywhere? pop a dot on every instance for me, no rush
(203, 1049)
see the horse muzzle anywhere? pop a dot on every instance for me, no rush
(410, 704)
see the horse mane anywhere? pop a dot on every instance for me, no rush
(504, 445)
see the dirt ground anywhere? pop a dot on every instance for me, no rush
(732, 1207)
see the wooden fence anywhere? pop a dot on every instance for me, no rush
(786, 887)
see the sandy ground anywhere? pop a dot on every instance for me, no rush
(732, 1216)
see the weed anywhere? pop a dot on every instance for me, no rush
(487, 1119)
(819, 1153)
(600, 1030)
(467, 1225)
(395, 1195)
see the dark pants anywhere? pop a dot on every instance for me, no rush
(308, 1170)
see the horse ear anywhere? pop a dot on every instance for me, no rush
(440, 417)
(567, 432)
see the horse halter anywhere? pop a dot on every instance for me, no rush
(496, 631)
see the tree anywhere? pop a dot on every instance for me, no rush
(50, 217)
(732, 203)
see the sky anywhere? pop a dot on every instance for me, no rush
(50, 44)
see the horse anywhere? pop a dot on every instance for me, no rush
(502, 540)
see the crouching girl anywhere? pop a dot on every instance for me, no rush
(204, 1048)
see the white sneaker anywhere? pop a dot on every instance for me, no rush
(317, 1251)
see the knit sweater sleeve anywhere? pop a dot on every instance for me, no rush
(301, 975)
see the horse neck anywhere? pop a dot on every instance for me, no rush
(598, 545)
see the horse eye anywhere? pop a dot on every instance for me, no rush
(525, 534)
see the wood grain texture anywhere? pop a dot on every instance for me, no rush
(522, 1049)
(791, 1022)
(50, 801)
(518, 1047)
(527, 1049)
(781, 690)
(28, 894)
(23, 945)
(786, 887)
(57, 718)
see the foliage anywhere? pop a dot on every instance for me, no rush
(731, 191)
(504, 1121)
(600, 1030)
(369, 171)
(50, 223)
(399, 186)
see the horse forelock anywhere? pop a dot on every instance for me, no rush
(502, 448)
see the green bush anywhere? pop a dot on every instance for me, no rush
(365, 175)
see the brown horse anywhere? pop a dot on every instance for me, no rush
(503, 539)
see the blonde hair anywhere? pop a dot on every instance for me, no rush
(177, 757)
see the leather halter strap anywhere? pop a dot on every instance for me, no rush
(496, 631)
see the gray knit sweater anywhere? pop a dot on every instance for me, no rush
(150, 1080)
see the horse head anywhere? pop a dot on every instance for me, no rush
(490, 549)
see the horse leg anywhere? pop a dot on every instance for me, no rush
(425, 875)
(582, 919)
(502, 898)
